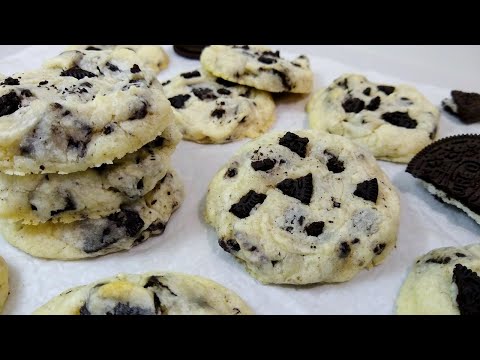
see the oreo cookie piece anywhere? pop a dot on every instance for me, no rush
(444, 281)
(450, 170)
(189, 51)
(301, 207)
(465, 106)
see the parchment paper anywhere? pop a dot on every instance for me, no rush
(189, 245)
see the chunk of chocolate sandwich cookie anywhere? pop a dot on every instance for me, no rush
(130, 225)
(450, 170)
(465, 106)
(303, 207)
(394, 122)
(212, 110)
(444, 281)
(153, 293)
(259, 67)
(189, 51)
(79, 110)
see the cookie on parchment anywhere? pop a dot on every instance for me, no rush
(303, 207)
(154, 293)
(213, 110)
(450, 170)
(258, 67)
(443, 281)
(394, 122)
(79, 111)
(133, 224)
(93, 193)
(465, 106)
(4, 288)
(152, 56)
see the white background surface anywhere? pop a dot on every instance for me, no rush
(188, 245)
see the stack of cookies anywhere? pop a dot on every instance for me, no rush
(85, 154)
(229, 98)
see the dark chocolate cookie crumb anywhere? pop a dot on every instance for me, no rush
(353, 105)
(374, 104)
(77, 73)
(295, 143)
(379, 248)
(468, 106)
(135, 69)
(263, 165)
(178, 101)
(401, 119)
(344, 250)
(444, 260)
(231, 172)
(367, 190)
(367, 91)
(229, 245)
(315, 228)
(9, 103)
(300, 188)
(10, 81)
(218, 113)
(334, 164)
(204, 93)
(468, 284)
(225, 83)
(192, 74)
(245, 205)
(386, 89)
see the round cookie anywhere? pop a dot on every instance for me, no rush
(303, 207)
(153, 57)
(443, 281)
(258, 67)
(4, 289)
(93, 193)
(213, 110)
(133, 224)
(394, 122)
(79, 111)
(153, 293)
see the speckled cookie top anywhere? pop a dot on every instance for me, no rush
(394, 122)
(213, 110)
(259, 67)
(302, 207)
(77, 111)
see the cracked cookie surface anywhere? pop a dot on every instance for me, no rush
(302, 207)
(213, 110)
(259, 67)
(393, 122)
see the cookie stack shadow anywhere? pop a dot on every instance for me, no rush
(85, 167)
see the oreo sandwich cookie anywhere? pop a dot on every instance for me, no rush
(189, 51)
(450, 170)
(465, 106)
